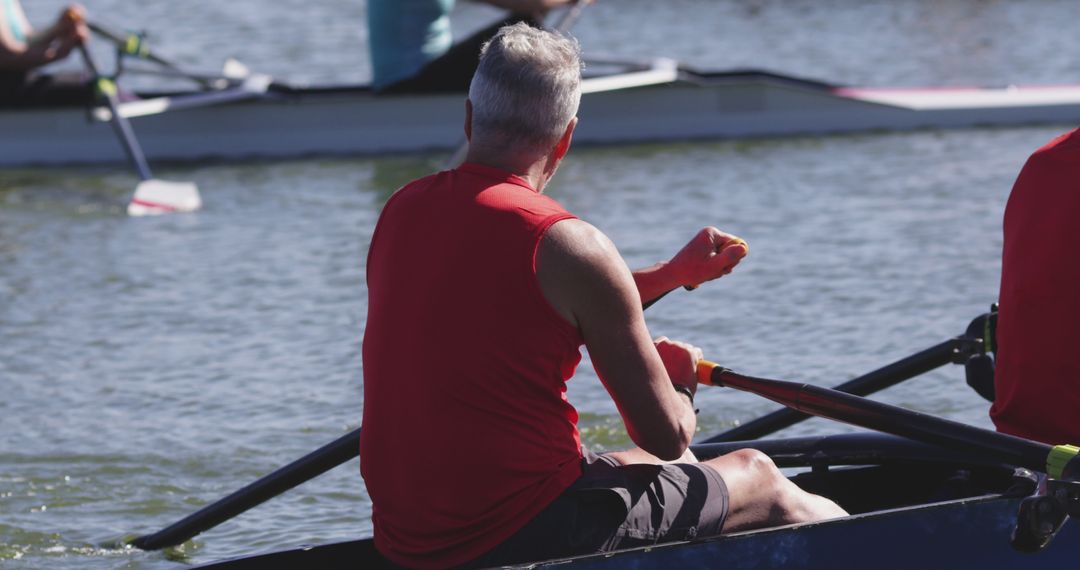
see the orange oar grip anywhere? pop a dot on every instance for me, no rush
(704, 372)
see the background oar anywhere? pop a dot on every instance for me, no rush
(151, 196)
(918, 426)
(133, 45)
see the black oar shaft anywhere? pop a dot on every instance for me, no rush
(121, 41)
(869, 414)
(308, 467)
(119, 123)
(890, 375)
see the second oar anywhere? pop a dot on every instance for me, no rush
(151, 196)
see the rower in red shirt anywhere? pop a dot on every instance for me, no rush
(481, 291)
(1037, 374)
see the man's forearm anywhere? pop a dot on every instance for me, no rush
(654, 281)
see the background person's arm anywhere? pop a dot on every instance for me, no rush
(52, 44)
(585, 279)
(12, 50)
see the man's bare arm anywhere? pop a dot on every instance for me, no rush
(585, 279)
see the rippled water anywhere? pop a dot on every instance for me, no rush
(149, 366)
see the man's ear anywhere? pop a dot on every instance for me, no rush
(563, 146)
(468, 120)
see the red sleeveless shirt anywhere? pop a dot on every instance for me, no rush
(1037, 373)
(467, 433)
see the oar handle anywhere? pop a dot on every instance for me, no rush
(870, 414)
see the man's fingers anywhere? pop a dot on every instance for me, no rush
(734, 243)
(735, 250)
(731, 254)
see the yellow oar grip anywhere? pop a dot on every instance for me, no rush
(1059, 456)
(704, 372)
(105, 87)
(133, 46)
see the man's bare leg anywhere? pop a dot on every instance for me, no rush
(759, 495)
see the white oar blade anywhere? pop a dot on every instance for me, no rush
(153, 197)
(233, 69)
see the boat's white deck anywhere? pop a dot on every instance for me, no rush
(652, 102)
(966, 97)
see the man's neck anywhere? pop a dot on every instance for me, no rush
(535, 172)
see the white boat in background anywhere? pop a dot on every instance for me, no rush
(653, 101)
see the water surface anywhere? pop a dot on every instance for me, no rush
(151, 365)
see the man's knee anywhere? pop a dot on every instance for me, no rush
(787, 502)
(756, 465)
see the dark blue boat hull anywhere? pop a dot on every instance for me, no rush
(971, 533)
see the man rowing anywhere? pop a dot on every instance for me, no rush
(1036, 376)
(23, 51)
(412, 49)
(481, 291)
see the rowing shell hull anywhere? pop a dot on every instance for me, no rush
(967, 534)
(906, 520)
(292, 122)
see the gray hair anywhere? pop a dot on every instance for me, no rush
(527, 87)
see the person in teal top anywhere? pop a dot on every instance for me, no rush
(412, 50)
(22, 50)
